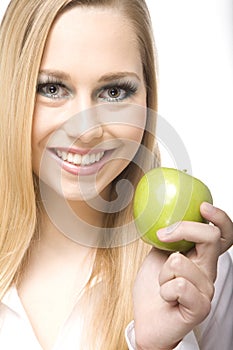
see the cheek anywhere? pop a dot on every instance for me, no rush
(132, 129)
(45, 117)
(45, 122)
(132, 136)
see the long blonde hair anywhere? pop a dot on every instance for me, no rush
(23, 35)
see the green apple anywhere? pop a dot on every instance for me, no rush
(165, 196)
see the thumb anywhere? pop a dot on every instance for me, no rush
(220, 219)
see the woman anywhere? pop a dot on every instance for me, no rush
(78, 78)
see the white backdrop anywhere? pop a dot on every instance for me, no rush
(3, 6)
(194, 42)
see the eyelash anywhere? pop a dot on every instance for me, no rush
(128, 88)
(51, 82)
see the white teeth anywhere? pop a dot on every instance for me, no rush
(59, 153)
(70, 158)
(92, 158)
(64, 155)
(98, 157)
(78, 159)
(85, 160)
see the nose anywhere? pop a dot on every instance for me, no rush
(91, 133)
(85, 125)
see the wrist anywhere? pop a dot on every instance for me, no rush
(140, 343)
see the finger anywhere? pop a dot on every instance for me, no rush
(219, 218)
(202, 234)
(193, 305)
(207, 238)
(178, 265)
(191, 231)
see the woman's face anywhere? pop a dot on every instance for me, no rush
(88, 123)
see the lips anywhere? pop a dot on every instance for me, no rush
(78, 159)
(80, 162)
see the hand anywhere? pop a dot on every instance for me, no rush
(211, 240)
(222, 222)
(173, 294)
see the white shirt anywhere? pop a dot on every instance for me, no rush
(216, 332)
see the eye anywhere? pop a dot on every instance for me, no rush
(118, 92)
(114, 92)
(53, 90)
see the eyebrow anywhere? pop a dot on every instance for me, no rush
(116, 76)
(55, 73)
(104, 78)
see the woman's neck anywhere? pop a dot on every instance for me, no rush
(70, 222)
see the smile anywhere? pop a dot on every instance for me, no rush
(78, 162)
(78, 159)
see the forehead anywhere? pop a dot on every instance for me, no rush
(93, 37)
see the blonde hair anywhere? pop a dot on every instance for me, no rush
(23, 35)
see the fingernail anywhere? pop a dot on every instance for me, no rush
(209, 208)
(167, 230)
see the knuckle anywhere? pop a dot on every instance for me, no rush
(176, 261)
(216, 233)
(221, 215)
(181, 285)
(182, 226)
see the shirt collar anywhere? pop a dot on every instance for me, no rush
(12, 301)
